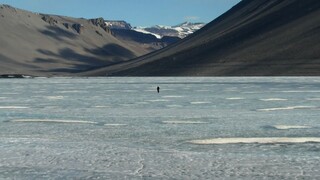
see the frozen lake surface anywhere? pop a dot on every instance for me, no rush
(195, 128)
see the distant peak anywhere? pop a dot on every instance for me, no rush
(181, 30)
(118, 24)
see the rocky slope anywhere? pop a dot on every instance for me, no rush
(48, 45)
(256, 37)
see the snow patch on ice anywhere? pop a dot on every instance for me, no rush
(274, 99)
(53, 121)
(54, 97)
(13, 107)
(287, 108)
(268, 140)
(235, 98)
(159, 100)
(287, 127)
(200, 102)
(101, 106)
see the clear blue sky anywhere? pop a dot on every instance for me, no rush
(136, 12)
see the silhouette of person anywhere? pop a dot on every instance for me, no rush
(158, 89)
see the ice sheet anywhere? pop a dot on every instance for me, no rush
(121, 128)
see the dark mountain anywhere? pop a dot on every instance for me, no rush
(255, 37)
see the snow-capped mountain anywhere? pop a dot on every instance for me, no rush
(181, 30)
(118, 24)
(122, 30)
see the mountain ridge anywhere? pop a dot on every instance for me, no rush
(254, 38)
(39, 44)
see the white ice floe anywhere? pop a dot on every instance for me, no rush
(200, 102)
(54, 121)
(3, 97)
(268, 140)
(13, 107)
(184, 122)
(274, 99)
(287, 127)
(235, 98)
(287, 108)
(54, 97)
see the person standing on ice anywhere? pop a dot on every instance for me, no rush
(158, 89)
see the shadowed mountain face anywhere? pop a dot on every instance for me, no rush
(256, 37)
(48, 45)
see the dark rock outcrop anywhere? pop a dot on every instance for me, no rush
(99, 33)
(100, 22)
(67, 25)
(97, 21)
(78, 27)
(49, 19)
